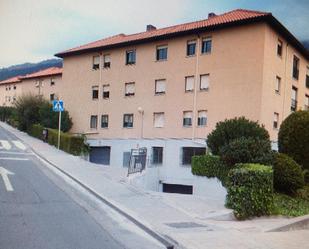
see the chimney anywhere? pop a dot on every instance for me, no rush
(150, 27)
(211, 14)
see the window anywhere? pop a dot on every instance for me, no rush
(105, 91)
(206, 45)
(204, 82)
(189, 83)
(104, 121)
(95, 92)
(130, 57)
(126, 159)
(294, 99)
(189, 152)
(52, 82)
(187, 118)
(202, 118)
(276, 120)
(106, 61)
(295, 67)
(14, 87)
(128, 120)
(307, 77)
(157, 155)
(93, 121)
(160, 86)
(52, 97)
(161, 53)
(307, 102)
(279, 48)
(158, 119)
(96, 62)
(191, 45)
(129, 89)
(278, 85)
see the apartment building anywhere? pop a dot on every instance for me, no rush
(165, 89)
(45, 83)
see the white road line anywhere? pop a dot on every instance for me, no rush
(19, 144)
(14, 158)
(5, 145)
(4, 172)
(16, 153)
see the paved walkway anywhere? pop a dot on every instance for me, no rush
(178, 217)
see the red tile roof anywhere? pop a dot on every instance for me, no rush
(15, 79)
(43, 73)
(235, 17)
(229, 17)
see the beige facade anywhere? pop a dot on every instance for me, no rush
(46, 83)
(242, 68)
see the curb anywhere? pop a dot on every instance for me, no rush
(145, 228)
(298, 223)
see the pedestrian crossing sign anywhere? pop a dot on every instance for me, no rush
(58, 106)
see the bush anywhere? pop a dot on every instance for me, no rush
(231, 129)
(306, 176)
(293, 137)
(36, 131)
(6, 113)
(49, 118)
(70, 143)
(246, 150)
(250, 190)
(210, 166)
(288, 176)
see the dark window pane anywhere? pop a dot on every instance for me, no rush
(206, 46)
(161, 53)
(128, 120)
(130, 57)
(104, 121)
(93, 121)
(189, 152)
(187, 121)
(157, 155)
(95, 93)
(191, 49)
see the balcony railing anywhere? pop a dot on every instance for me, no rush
(293, 105)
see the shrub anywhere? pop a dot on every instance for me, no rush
(70, 143)
(288, 176)
(36, 130)
(49, 118)
(293, 137)
(231, 129)
(210, 166)
(306, 176)
(6, 113)
(250, 190)
(27, 111)
(246, 150)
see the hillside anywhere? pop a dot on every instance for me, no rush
(27, 68)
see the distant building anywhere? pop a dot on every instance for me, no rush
(45, 83)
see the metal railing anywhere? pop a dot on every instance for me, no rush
(137, 160)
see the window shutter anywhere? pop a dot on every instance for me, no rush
(204, 82)
(130, 88)
(187, 114)
(160, 86)
(158, 120)
(96, 60)
(106, 88)
(107, 58)
(189, 83)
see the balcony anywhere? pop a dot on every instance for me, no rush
(293, 105)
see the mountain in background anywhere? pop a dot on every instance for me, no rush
(306, 44)
(27, 68)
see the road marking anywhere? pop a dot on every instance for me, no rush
(4, 173)
(19, 144)
(5, 145)
(16, 153)
(14, 158)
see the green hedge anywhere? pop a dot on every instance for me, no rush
(70, 143)
(250, 190)
(6, 113)
(210, 166)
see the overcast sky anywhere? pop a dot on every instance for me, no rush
(34, 30)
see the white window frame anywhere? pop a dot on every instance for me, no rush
(189, 81)
(129, 89)
(206, 84)
(161, 90)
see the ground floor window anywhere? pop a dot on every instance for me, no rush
(157, 155)
(189, 152)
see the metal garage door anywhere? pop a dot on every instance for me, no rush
(177, 188)
(100, 155)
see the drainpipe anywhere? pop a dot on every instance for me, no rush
(196, 80)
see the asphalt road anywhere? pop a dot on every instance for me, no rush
(40, 210)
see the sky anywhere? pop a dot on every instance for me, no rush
(34, 30)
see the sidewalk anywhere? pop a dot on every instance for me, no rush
(178, 217)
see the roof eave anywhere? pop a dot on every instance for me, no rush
(42, 76)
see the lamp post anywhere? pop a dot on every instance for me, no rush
(141, 111)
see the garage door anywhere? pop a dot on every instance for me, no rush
(100, 155)
(177, 188)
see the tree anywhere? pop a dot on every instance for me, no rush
(231, 129)
(293, 137)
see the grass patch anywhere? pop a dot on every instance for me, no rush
(290, 206)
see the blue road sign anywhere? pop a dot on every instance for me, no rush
(58, 106)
